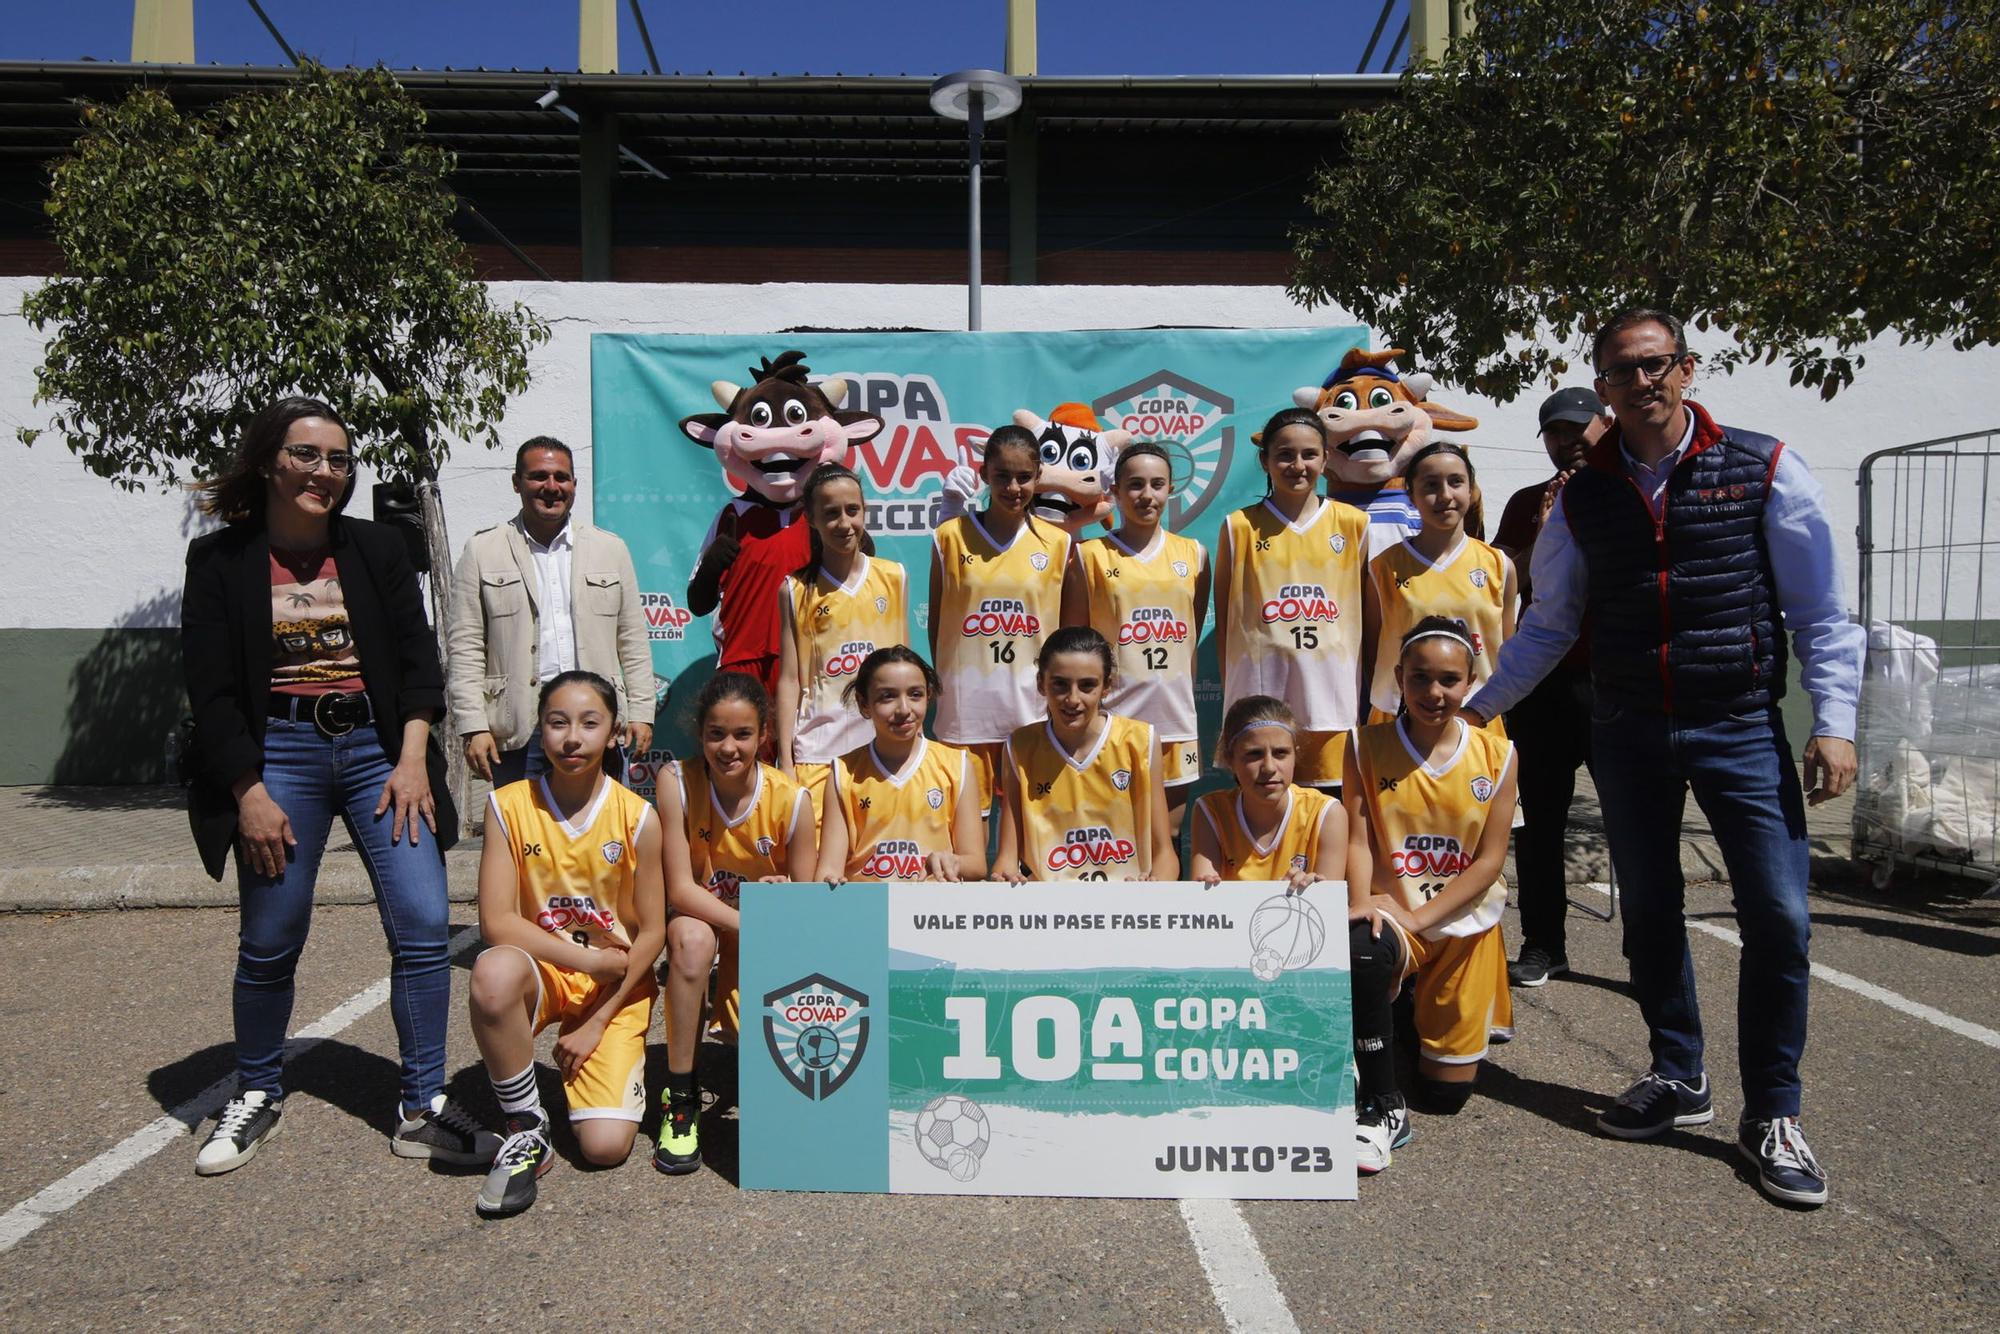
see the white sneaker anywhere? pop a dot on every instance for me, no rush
(247, 1120)
(1380, 1126)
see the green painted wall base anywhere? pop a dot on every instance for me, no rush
(89, 707)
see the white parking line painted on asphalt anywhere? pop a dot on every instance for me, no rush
(1245, 1292)
(45, 1204)
(1861, 986)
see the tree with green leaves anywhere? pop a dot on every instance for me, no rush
(295, 240)
(1800, 175)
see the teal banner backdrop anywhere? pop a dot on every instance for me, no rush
(1074, 1039)
(1202, 392)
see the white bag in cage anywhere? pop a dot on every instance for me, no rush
(1965, 801)
(1898, 682)
(1901, 792)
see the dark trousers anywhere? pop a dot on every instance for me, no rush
(1741, 772)
(1550, 729)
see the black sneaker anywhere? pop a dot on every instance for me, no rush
(443, 1131)
(679, 1149)
(1653, 1106)
(247, 1120)
(1786, 1169)
(1536, 966)
(524, 1155)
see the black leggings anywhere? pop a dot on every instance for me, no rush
(1376, 962)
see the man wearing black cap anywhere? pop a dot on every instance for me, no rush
(1551, 726)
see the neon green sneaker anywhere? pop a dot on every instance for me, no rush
(679, 1149)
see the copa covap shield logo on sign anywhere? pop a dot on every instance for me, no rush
(817, 1032)
(1185, 418)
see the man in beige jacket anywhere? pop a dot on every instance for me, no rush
(540, 594)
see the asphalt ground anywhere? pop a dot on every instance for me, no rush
(1515, 1213)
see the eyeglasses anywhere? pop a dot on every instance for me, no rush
(1653, 368)
(338, 462)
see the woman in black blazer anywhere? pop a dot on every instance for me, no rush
(314, 681)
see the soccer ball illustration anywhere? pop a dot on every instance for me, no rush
(1286, 932)
(818, 1047)
(953, 1136)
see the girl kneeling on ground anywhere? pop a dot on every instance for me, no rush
(572, 908)
(1428, 812)
(728, 819)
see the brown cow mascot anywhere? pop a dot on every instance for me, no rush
(768, 438)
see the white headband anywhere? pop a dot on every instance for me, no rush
(1252, 726)
(1456, 636)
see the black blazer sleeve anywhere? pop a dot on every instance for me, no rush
(211, 641)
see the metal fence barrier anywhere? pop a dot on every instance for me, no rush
(1929, 726)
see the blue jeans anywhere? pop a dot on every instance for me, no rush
(313, 778)
(1741, 772)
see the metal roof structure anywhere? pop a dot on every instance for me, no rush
(873, 139)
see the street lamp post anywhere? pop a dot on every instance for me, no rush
(977, 97)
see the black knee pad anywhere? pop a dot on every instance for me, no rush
(1372, 955)
(1439, 1097)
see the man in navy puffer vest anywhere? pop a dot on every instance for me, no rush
(1695, 548)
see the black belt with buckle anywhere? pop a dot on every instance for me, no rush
(333, 714)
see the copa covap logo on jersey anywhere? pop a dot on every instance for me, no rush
(1039, 559)
(1479, 581)
(1185, 418)
(1091, 847)
(816, 1030)
(848, 660)
(1482, 788)
(1180, 569)
(935, 798)
(1338, 542)
(1149, 625)
(614, 851)
(1121, 779)
(665, 621)
(764, 845)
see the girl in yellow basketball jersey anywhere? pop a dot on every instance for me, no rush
(1267, 828)
(996, 592)
(1439, 571)
(1428, 813)
(728, 819)
(1288, 576)
(836, 611)
(1146, 591)
(1080, 790)
(573, 913)
(902, 807)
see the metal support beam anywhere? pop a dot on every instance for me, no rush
(1022, 54)
(597, 149)
(1433, 23)
(163, 32)
(1024, 161)
(597, 36)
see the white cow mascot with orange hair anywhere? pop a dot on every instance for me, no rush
(1376, 421)
(1078, 456)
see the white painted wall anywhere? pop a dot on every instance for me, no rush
(86, 555)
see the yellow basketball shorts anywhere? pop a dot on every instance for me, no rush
(1180, 763)
(1461, 996)
(813, 778)
(611, 1083)
(1321, 758)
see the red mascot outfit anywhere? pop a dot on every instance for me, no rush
(768, 438)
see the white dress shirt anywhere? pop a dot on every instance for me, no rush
(1805, 575)
(556, 623)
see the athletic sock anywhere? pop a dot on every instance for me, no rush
(680, 1086)
(519, 1098)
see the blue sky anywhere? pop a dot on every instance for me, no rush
(755, 37)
